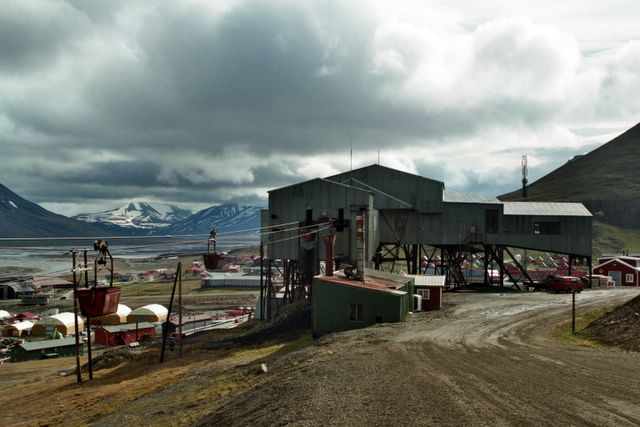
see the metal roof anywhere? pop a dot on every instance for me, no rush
(401, 203)
(189, 318)
(49, 281)
(351, 187)
(42, 345)
(545, 208)
(609, 261)
(373, 284)
(127, 327)
(456, 197)
(428, 281)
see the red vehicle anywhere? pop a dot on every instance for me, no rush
(564, 284)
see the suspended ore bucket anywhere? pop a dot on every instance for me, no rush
(213, 261)
(98, 301)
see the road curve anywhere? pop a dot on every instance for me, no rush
(486, 359)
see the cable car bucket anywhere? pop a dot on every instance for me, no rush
(213, 260)
(100, 300)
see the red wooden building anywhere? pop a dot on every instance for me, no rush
(110, 335)
(624, 270)
(430, 289)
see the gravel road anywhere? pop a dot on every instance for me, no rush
(486, 359)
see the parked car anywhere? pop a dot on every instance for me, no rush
(563, 284)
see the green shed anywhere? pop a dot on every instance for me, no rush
(340, 304)
(37, 350)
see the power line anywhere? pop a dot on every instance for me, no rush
(164, 236)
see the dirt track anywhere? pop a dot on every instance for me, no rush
(487, 359)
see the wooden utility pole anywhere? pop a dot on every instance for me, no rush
(75, 315)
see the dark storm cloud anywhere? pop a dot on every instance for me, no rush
(201, 102)
(33, 34)
(116, 173)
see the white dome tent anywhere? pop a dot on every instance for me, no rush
(119, 317)
(19, 329)
(63, 322)
(153, 313)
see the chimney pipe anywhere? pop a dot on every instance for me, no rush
(329, 241)
(360, 243)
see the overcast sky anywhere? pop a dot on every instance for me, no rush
(201, 102)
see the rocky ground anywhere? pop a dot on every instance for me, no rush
(488, 359)
(618, 328)
(485, 359)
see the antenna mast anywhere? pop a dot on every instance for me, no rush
(525, 172)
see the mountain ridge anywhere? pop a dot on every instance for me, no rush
(226, 217)
(21, 218)
(138, 215)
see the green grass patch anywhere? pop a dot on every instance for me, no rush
(563, 332)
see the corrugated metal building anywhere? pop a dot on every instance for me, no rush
(44, 349)
(111, 335)
(190, 323)
(408, 210)
(340, 304)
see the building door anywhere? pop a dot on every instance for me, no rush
(616, 276)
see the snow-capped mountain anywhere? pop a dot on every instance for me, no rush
(139, 215)
(225, 218)
(22, 218)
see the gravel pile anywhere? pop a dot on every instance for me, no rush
(620, 327)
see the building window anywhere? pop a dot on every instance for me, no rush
(424, 293)
(547, 228)
(355, 312)
(491, 218)
(629, 278)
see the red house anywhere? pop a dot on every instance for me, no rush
(633, 259)
(110, 335)
(623, 270)
(430, 289)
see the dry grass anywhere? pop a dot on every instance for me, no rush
(157, 288)
(143, 389)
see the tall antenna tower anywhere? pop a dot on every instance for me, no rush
(351, 155)
(525, 172)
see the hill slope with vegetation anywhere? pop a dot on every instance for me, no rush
(606, 180)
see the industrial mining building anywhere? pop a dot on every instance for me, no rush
(410, 220)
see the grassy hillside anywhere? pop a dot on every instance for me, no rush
(606, 180)
(610, 239)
